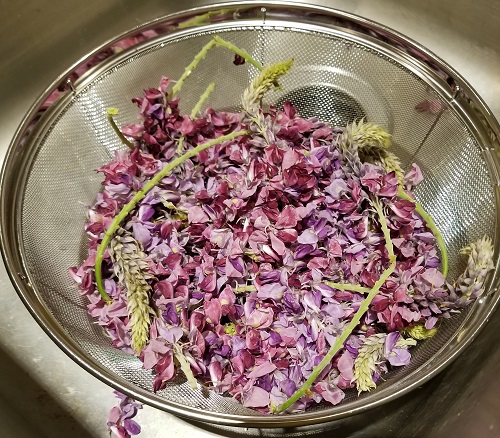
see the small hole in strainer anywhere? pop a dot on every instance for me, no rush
(327, 103)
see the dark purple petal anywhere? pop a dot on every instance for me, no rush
(131, 427)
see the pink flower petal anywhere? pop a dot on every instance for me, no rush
(262, 370)
(260, 318)
(287, 218)
(256, 397)
(196, 215)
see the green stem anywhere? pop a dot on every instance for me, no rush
(216, 41)
(348, 287)
(432, 226)
(243, 289)
(243, 53)
(180, 145)
(127, 208)
(189, 69)
(385, 230)
(202, 100)
(339, 342)
(185, 367)
(113, 112)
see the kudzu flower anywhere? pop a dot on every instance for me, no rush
(470, 284)
(120, 418)
(243, 266)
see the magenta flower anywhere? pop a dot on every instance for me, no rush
(120, 418)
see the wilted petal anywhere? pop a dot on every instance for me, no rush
(308, 236)
(287, 236)
(303, 250)
(345, 366)
(414, 176)
(262, 370)
(272, 291)
(329, 393)
(287, 218)
(336, 188)
(433, 277)
(213, 311)
(399, 357)
(255, 397)
(196, 215)
(277, 245)
(260, 318)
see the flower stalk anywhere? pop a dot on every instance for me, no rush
(348, 287)
(371, 142)
(339, 342)
(131, 268)
(201, 101)
(432, 226)
(216, 41)
(480, 262)
(240, 52)
(192, 65)
(369, 355)
(111, 112)
(261, 84)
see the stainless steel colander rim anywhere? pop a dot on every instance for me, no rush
(486, 129)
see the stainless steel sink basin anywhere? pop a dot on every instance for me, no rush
(43, 393)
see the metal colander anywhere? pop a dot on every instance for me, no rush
(345, 68)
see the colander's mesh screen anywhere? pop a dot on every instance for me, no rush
(333, 78)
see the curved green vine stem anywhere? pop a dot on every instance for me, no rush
(139, 195)
(111, 112)
(432, 226)
(339, 342)
(216, 41)
(202, 100)
(192, 65)
(243, 53)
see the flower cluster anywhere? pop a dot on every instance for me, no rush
(257, 253)
(120, 418)
(130, 268)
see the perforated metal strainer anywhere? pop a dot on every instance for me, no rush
(345, 68)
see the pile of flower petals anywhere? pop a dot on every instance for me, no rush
(240, 241)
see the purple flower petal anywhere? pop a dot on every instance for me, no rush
(336, 188)
(131, 427)
(197, 215)
(345, 366)
(262, 370)
(287, 218)
(331, 394)
(308, 237)
(260, 318)
(255, 397)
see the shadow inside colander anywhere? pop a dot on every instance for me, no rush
(327, 103)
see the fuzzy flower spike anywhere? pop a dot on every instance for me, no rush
(131, 269)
